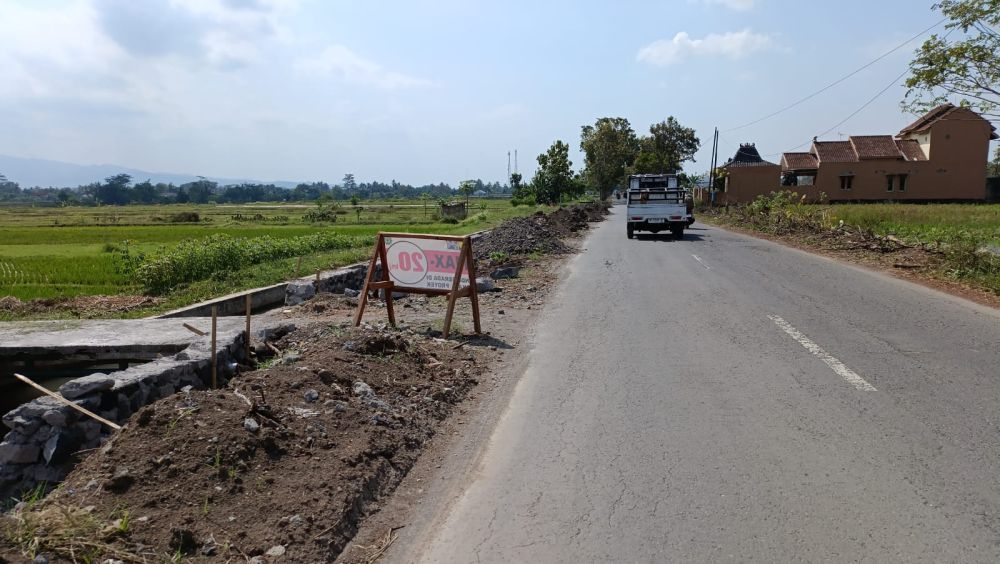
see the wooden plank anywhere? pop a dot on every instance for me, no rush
(453, 295)
(458, 238)
(215, 359)
(382, 285)
(385, 278)
(473, 290)
(379, 242)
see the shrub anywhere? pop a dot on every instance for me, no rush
(199, 259)
(184, 217)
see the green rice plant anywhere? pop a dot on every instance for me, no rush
(199, 259)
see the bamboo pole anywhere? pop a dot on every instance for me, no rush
(215, 368)
(66, 402)
(247, 338)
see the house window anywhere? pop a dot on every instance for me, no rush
(846, 181)
(889, 181)
(902, 183)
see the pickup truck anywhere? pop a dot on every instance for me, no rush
(655, 203)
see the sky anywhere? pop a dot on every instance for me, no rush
(424, 91)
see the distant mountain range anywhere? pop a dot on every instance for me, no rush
(30, 173)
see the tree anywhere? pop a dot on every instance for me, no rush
(668, 145)
(182, 196)
(425, 197)
(466, 188)
(114, 191)
(8, 190)
(554, 177)
(349, 184)
(966, 68)
(993, 167)
(144, 192)
(354, 200)
(200, 191)
(609, 146)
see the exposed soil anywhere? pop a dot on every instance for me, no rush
(290, 459)
(81, 306)
(539, 233)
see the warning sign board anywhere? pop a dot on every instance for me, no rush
(437, 265)
(429, 264)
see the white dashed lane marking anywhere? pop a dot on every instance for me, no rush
(831, 361)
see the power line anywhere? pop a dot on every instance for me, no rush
(838, 81)
(854, 113)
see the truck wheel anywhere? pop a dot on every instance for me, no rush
(678, 233)
(630, 232)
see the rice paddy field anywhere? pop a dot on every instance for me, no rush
(50, 253)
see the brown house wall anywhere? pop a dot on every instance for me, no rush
(744, 184)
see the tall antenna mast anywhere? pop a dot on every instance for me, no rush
(508, 167)
(515, 160)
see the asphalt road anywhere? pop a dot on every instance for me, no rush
(723, 398)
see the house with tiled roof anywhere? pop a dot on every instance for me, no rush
(940, 157)
(747, 175)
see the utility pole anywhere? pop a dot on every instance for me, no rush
(711, 178)
(508, 168)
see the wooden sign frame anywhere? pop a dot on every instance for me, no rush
(466, 261)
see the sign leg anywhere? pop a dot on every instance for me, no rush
(379, 244)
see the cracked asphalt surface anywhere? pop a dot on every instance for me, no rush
(664, 416)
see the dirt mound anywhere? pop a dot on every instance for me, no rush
(284, 462)
(540, 232)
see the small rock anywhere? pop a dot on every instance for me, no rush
(485, 285)
(251, 425)
(351, 292)
(290, 358)
(276, 550)
(295, 520)
(40, 559)
(501, 312)
(311, 396)
(298, 292)
(505, 273)
(86, 385)
(362, 389)
(120, 481)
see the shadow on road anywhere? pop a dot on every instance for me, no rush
(668, 238)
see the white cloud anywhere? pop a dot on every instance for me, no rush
(341, 62)
(734, 45)
(738, 5)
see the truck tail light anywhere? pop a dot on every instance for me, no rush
(636, 218)
(675, 217)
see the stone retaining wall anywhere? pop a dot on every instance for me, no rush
(44, 434)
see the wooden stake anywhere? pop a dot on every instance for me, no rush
(473, 290)
(215, 360)
(194, 330)
(455, 285)
(247, 338)
(298, 266)
(66, 402)
(379, 243)
(317, 278)
(385, 278)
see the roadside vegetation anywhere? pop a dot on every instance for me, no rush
(946, 241)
